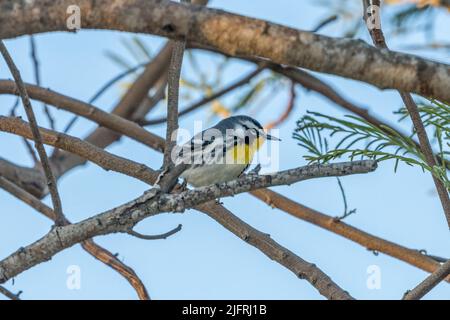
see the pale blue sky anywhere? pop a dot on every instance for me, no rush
(204, 261)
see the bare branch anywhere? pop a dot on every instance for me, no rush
(37, 79)
(102, 90)
(105, 119)
(82, 149)
(172, 101)
(429, 283)
(324, 23)
(413, 257)
(301, 268)
(246, 79)
(234, 34)
(51, 181)
(413, 110)
(290, 107)
(89, 245)
(9, 294)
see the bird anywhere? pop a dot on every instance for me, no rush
(221, 153)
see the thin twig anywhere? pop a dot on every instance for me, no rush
(103, 89)
(37, 79)
(246, 79)
(287, 111)
(324, 23)
(31, 151)
(344, 199)
(51, 181)
(170, 173)
(429, 283)
(9, 294)
(379, 41)
(155, 236)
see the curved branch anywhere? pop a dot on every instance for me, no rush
(413, 257)
(104, 119)
(207, 99)
(89, 245)
(301, 268)
(82, 149)
(153, 236)
(235, 34)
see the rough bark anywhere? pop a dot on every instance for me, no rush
(236, 35)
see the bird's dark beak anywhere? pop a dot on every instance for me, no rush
(269, 137)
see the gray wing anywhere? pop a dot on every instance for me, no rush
(203, 149)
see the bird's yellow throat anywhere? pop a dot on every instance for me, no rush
(243, 154)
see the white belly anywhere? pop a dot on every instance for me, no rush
(213, 173)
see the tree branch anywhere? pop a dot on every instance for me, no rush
(246, 79)
(29, 180)
(104, 119)
(9, 294)
(51, 181)
(429, 283)
(172, 101)
(89, 245)
(81, 148)
(124, 217)
(234, 34)
(425, 146)
(367, 240)
(311, 82)
(301, 268)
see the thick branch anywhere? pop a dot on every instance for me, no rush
(121, 219)
(29, 180)
(81, 148)
(104, 119)
(234, 34)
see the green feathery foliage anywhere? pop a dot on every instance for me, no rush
(326, 138)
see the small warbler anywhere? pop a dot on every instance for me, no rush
(222, 152)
